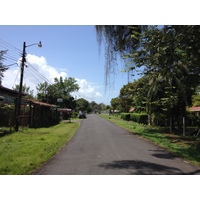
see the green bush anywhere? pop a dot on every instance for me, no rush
(125, 116)
(74, 115)
(143, 119)
(136, 117)
(139, 118)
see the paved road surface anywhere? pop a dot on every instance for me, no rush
(102, 148)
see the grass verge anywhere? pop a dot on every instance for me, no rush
(186, 147)
(25, 151)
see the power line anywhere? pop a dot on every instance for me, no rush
(10, 46)
(15, 51)
(12, 55)
(42, 72)
(32, 73)
(16, 78)
(9, 51)
(38, 73)
(10, 58)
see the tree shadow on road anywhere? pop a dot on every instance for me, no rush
(138, 167)
(163, 154)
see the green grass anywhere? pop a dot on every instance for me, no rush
(25, 151)
(185, 147)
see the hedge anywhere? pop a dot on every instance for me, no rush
(136, 117)
(125, 116)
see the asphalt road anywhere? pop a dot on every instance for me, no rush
(102, 148)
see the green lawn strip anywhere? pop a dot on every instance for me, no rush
(185, 147)
(25, 151)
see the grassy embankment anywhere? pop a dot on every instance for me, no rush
(25, 151)
(185, 147)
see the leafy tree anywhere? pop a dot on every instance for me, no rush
(115, 103)
(2, 67)
(62, 88)
(97, 108)
(82, 105)
(66, 86)
(26, 90)
(196, 100)
(169, 56)
(93, 106)
(140, 89)
(108, 107)
(42, 91)
(126, 96)
(102, 106)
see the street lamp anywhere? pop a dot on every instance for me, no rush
(21, 83)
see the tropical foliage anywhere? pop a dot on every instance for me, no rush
(119, 40)
(26, 90)
(61, 89)
(170, 58)
(2, 67)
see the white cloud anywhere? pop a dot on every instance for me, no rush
(38, 66)
(38, 71)
(86, 91)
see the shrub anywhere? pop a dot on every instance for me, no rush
(125, 116)
(74, 115)
(136, 117)
(139, 118)
(143, 119)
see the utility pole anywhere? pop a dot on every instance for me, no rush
(21, 84)
(20, 89)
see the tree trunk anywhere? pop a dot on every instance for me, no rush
(184, 126)
(171, 124)
(149, 119)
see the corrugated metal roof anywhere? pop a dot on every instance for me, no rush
(42, 103)
(194, 109)
(131, 109)
(64, 110)
(39, 102)
(9, 92)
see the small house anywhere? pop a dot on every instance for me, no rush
(196, 110)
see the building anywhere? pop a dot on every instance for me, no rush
(196, 110)
(33, 113)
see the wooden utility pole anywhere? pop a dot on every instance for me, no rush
(20, 89)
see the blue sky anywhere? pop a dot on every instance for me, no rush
(68, 51)
(73, 51)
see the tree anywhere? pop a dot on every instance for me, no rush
(196, 100)
(119, 40)
(26, 90)
(96, 108)
(115, 103)
(169, 56)
(2, 67)
(42, 91)
(62, 88)
(196, 97)
(66, 86)
(140, 90)
(93, 106)
(82, 105)
(126, 97)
